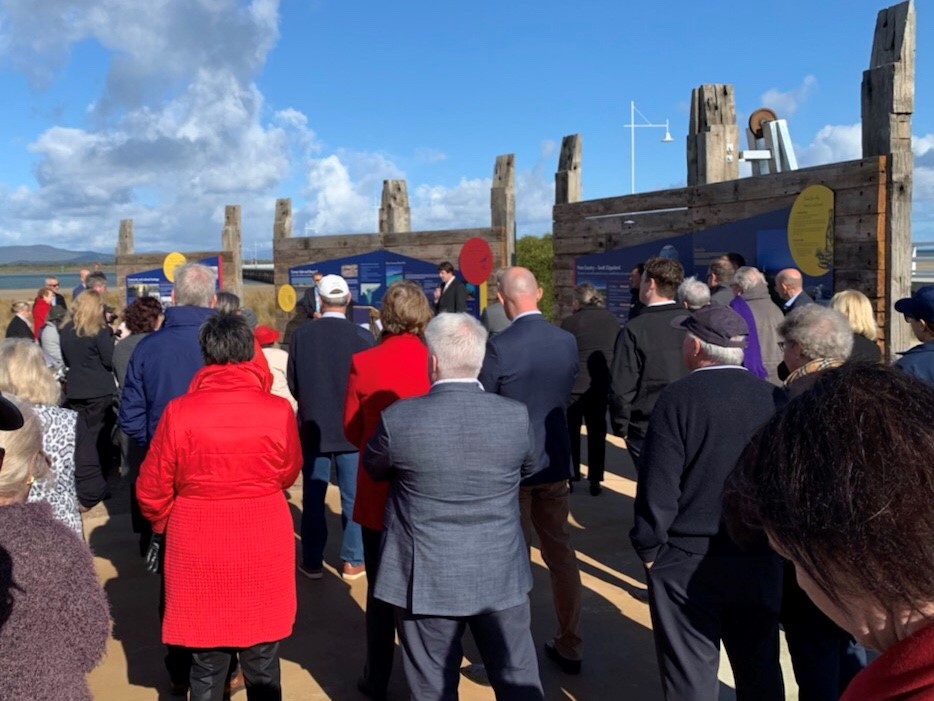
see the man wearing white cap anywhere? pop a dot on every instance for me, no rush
(319, 363)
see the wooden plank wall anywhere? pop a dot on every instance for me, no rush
(594, 226)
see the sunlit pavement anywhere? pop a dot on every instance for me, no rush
(324, 656)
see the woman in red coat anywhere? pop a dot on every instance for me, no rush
(213, 483)
(395, 369)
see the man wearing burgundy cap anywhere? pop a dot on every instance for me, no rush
(702, 587)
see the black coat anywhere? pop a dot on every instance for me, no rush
(319, 363)
(453, 299)
(595, 329)
(89, 360)
(19, 329)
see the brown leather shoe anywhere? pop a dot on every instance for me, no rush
(234, 684)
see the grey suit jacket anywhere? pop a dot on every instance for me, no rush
(453, 545)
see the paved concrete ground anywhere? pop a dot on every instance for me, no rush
(324, 656)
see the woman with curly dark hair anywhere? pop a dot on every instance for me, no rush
(842, 483)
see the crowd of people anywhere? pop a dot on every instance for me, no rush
(781, 467)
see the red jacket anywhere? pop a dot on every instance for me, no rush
(212, 481)
(395, 369)
(40, 310)
(904, 672)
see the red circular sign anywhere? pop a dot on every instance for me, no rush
(476, 261)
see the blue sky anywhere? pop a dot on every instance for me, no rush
(167, 110)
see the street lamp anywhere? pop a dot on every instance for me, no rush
(632, 140)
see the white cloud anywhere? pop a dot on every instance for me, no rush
(785, 104)
(176, 133)
(832, 144)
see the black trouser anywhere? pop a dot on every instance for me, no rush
(380, 622)
(260, 665)
(590, 409)
(825, 657)
(135, 455)
(698, 600)
(93, 450)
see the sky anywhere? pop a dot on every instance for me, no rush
(165, 111)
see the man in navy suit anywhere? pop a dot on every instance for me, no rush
(453, 555)
(790, 287)
(535, 362)
(317, 371)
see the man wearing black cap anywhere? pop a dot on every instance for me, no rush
(702, 587)
(919, 313)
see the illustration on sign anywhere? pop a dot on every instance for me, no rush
(156, 283)
(765, 241)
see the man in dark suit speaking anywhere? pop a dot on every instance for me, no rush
(453, 555)
(453, 293)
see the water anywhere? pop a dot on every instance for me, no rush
(66, 281)
(33, 281)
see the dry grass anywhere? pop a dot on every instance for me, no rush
(260, 298)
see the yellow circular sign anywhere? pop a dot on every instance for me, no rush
(287, 298)
(171, 262)
(810, 230)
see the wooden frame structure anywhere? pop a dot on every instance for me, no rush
(872, 215)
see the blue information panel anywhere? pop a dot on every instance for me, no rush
(154, 283)
(369, 274)
(762, 240)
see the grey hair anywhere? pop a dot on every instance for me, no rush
(721, 355)
(458, 341)
(225, 339)
(748, 277)
(819, 332)
(694, 293)
(194, 285)
(587, 295)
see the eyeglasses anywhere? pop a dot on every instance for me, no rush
(53, 286)
(782, 345)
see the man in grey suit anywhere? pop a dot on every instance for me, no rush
(453, 553)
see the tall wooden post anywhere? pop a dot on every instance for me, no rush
(503, 201)
(125, 238)
(713, 137)
(395, 216)
(232, 240)
(282, 224)
(888, 93)
(568, 177)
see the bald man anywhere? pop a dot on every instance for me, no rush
(535, 362)
(790, 287)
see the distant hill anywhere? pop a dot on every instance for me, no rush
(22, 255)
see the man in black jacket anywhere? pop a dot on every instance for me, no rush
(319, 363)
(702, 586)
(647, 354)
(453, 293)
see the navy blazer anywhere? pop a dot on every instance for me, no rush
(535, 362)
(453, 543)
(317, 371)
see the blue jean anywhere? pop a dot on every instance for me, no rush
(316, 473)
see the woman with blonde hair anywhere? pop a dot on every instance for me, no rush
(87, 349)
(55, 615)
(24, 374)
(856, 307)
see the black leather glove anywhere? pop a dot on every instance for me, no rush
(154, 553)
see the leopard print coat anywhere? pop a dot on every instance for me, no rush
(58, 487)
